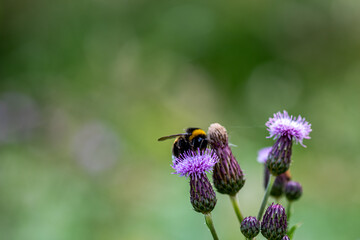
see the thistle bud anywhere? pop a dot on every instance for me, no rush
(285, 129)
(227, 176)
(293, 191)
(279, 184)
(274, 223)
(250, 227)
(195, 165)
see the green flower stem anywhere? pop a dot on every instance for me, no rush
(266, 196)
(210, 225)
(288, 211)
(236, 207)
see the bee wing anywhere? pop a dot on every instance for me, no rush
(172, 136)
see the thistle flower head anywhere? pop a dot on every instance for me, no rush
(274, 223)
(250, 227)
(263, 154)
(228, 176)
(293, 191)
(194, 164)
(286, 129)
(285, 238)
(294, 128)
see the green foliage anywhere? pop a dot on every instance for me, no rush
(291, 231)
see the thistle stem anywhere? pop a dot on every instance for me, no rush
(288, 211)
(210, 225)
(235, 203)
(266, 196)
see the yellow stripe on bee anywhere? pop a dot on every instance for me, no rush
(196, 133)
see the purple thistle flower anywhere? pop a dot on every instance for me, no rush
(283, 125)
(195, 165)
(274, 223)
(228, 177)
(285, 129)
(263, 154)
(285, 238)
(250, 227)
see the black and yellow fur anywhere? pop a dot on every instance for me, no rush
(192, 139)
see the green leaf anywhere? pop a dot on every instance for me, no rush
(291, 231)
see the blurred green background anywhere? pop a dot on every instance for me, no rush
(87, 87)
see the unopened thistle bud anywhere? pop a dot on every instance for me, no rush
(279, 185)
(280, 181)
(293, 191)
(285, 129)
(227, 176)
(274, 223)
(250, 227)
(195, 165)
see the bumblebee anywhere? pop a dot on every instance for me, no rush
(192, 139)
